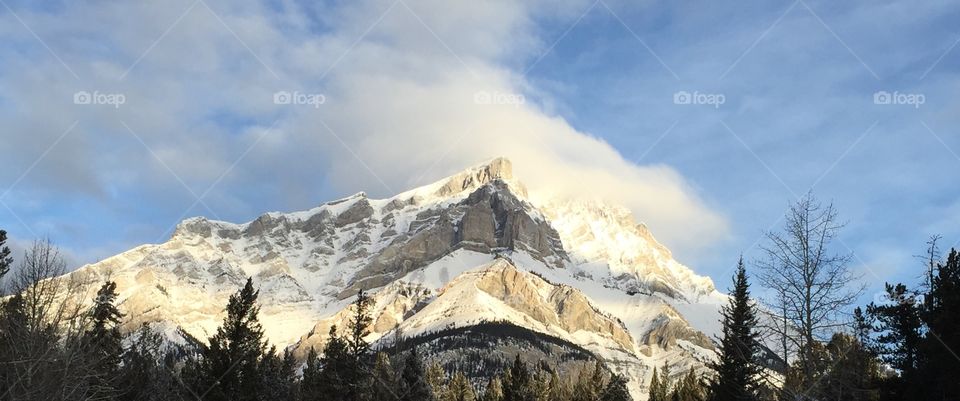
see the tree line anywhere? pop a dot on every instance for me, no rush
(54, 349)
(804, 341)
(902, 347)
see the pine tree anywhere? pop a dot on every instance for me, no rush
(590, 384)
(459, 389)
(597, 381)
(616, 390)
(660, 384)
(103, 342)
(436, 378)
(517, 382)
(736, 371)
(899, 322)
(229, 367)
(940, 367)
(853, 374)
(277, 376)
(557, 388)
(147, 374)
(359, 326)
(310, 382)
(385, 383)
(494, 390)
(5, 259)
(413, 383)
(688, 388)
(655, 390)
(333, 382)
(356, 372)
(541, 385)
(898, 340)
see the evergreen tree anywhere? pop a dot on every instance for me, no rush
(940, 368)
(899, 324)
(436, 378)
(898, 340)
(616, 390)
(277, 376)
(333, 383)
(310, 382)
(459, 389)
(103, 342)
(656, 390)
(5, 259)
(736, 371)
(229, 368)
(853, 374)
(385, 382)
(359, 327)
(494, 390)
(147, 374)
(689, 388)
(591, 384)
(557, 388)
(597, 380)
(517, 382)
(541, 385)
(413, 383)
(355, 373)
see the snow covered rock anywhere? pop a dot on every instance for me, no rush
(473, 251)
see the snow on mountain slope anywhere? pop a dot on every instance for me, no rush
(431, 257)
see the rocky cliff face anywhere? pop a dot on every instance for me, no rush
(468, 251)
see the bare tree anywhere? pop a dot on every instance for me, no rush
(41, 350)
(812, 286)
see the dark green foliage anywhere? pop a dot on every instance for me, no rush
(359, 327)
(689, 388)
(940, 366)
(459, 389)
(5, 259)
(103, 342)
(736, 372)
(278, 376)
(229, 367)
(853, 372)
(343, 371)
(517, 382)
(659, 389)
(148, 374)
(385, 379)
(616, 390)
(310, 388)
(413, 384)
(916, 333)
(494, 391)
(899, 328)
(590, 384)
(335, 363)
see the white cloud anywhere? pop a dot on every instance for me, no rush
(402, 101)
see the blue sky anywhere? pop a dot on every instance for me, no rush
(399, 79)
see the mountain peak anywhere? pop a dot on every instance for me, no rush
(468, 180)
(476, 176)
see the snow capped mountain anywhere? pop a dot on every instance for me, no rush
(464, 252)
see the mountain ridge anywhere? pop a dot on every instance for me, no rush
(419, 246)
